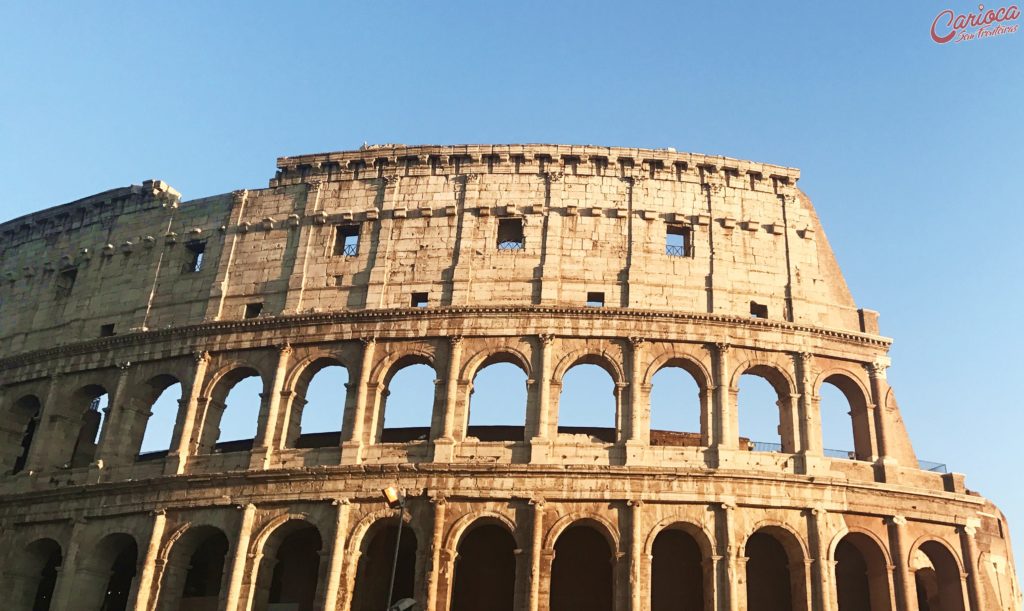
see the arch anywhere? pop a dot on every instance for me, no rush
(496, 409)
(782, 384)
(679, 579)
(157, 427)
(218, 384)
(490, 356)
(582, 570)
(106, 575)
(238, 426)
(485, 568)
(471, 520)
(861, 572)
(598, 522)
(585, 408)
(776, 573)
(289, 569)
(937, 575)
(700, 534)
(194, 573)
(32, 579)
(857, 398)
(19, 431)
(603, 359)
(391, 363)
(675, 417)
(314, 411)
(418, 424)
(374, 564)
(687, 363)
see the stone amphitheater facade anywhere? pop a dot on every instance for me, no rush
(459, 257)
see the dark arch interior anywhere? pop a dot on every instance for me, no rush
(205, 572)
(677, 573)
(46, 555)
(374, 572)
(768, 579)
(852, 578)
(581, 575)
(938, 586)
(122, 573)
(485, 570)
(296, 568)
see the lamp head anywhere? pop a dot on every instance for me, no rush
(393, 497)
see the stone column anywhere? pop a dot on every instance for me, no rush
(539, 421)
(143, 591)
(821, 576)
(729, 573)
(906, 588)
(879, 388)
(724, 420)
(436, 544)
(969, 549)
(260, 456)
(809, 415)
(352, 446)
(185, 442)
(238, 563)
(337, 558)
(536, 551)
(636, 585)
(444, 446)
(64, 593)
(638, 434)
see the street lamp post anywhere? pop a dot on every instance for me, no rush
(395, 499)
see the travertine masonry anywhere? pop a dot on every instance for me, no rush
(131, 291)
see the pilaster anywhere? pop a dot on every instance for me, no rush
(352, 446)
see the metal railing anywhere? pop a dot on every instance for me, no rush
(765, 446)
(510, 245)
(675, 251)
(350, 250)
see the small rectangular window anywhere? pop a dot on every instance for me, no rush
(678, 242)
(346, 240)
(65, 282)
(252, 310)
(758, 310)
(339, 280)
(595, 300)
(419, 300)
(510, 234)
(107, 330)
(196, 251)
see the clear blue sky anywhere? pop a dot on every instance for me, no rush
(911, 151)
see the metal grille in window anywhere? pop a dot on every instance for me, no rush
(510, 245)
(350, 250)
(675, 251)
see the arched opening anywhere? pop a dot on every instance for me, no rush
(34, 579)
(676, 408)
(581, 574)
(290, 570)
(485, 570)
(407, 401)
(763, 411)
(937, 577)
(845, 430)
(233, 412)
(104, 578)
(862, 576)
(23, 420)
(91, 403)
(497, 404)
(677, 572)
(194, 576)
(164, 394)
(588, 404)
(775, 571)
(318, 406)
(374, 572)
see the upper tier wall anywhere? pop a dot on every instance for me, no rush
(593, 220)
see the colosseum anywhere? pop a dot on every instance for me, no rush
(542, 257)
